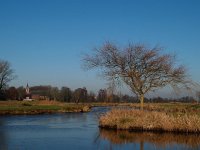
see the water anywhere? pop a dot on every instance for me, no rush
(75, 131)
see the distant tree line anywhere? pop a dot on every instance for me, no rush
(80, 95)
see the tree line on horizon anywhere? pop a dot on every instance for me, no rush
(80, 95)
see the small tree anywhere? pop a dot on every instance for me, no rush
(142, 69)
(65, 94)
(102, 95)
(54, 93)
(12, 93)
(21, 93)
(80, 95)
(91, 97)
(6, 74)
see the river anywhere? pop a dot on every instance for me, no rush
(75, 131)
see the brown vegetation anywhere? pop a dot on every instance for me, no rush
(173, 107)
(151, 121)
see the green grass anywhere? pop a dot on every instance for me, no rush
(38, 107)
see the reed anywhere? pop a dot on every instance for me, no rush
(150, 121)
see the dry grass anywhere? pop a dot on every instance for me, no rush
(173, 107)
(150, 121)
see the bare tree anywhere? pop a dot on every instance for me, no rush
(12, 93)
(80, 95)
(6, 74)
(65, 94)
(143, 69)
(54, 92)
(21, 92)
(102, 95)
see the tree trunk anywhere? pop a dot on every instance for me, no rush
(141, 101)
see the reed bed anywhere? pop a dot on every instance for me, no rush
(150, 121)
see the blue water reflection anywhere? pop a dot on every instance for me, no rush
(80, 131)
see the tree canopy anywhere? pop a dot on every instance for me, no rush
(143, 69)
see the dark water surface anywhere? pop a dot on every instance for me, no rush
(79, 131)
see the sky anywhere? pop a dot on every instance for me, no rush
(44, 40)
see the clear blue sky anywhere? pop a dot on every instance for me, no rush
(44, 39)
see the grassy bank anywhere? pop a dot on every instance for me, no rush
(39, 107)
(160, 121)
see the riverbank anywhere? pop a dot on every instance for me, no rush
(14, 107)
(40, 107)
(184, 119)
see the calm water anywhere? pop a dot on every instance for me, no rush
(80, 131)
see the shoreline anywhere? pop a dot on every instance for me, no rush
(156, 131)
(40, 112)
(40, 107)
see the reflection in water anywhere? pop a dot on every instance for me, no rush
(159, 140)
(3, 138)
